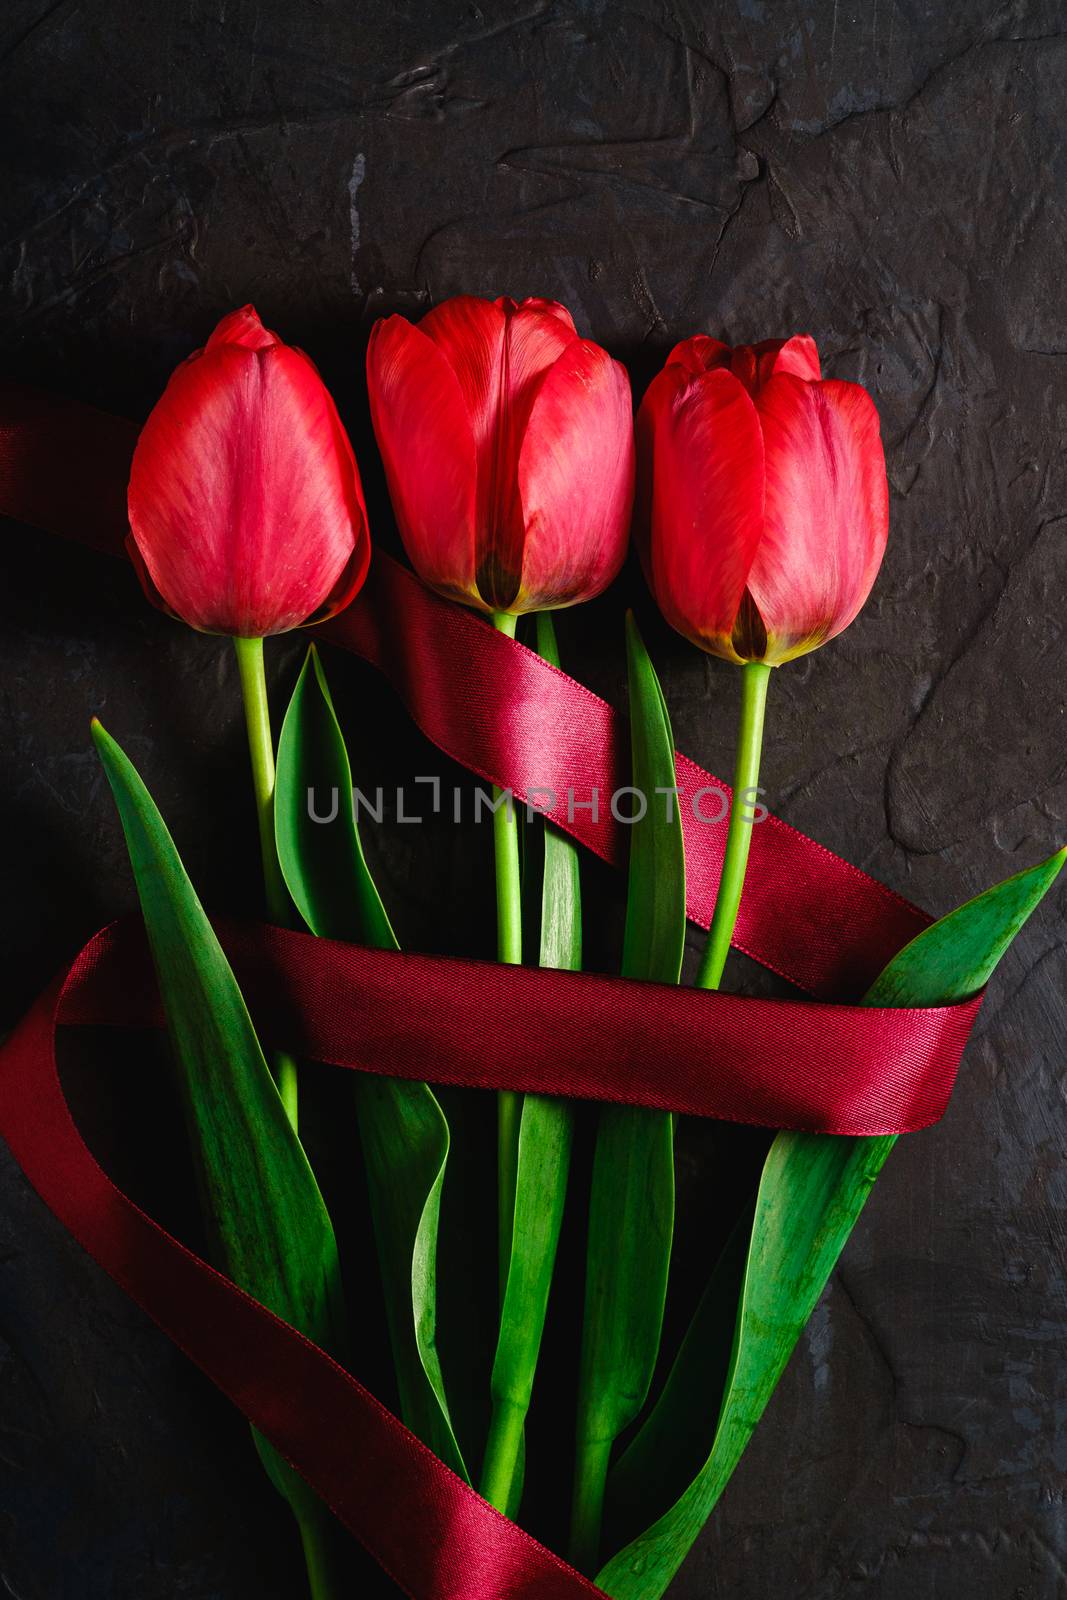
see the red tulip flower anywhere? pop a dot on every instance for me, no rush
(508, 447)
(763, 511)
(247, 518)
(763, 499)
(246, 510)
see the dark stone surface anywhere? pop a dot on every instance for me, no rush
(891, 177)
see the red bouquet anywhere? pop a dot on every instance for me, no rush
(757, 495)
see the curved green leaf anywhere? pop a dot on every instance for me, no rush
(811, 1193)
(631, 1205)
(323, 863)
(671, 1446)
(265, 1218)
(958, 955)
(402, 1128)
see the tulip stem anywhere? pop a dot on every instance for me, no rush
(509, 950)
(755, 676)
(261, 751)
(318, 1535)
(587, 1510)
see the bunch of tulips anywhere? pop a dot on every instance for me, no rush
(756, 493)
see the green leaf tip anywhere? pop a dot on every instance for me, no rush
(654, 940)
(958, 955)
(129, 789)
(314, 660)
(101, 738)
(812, 1190)
(323, 863)
(264, 1215)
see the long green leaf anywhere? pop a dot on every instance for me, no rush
(671, 1446)
(546, 1135)
(811, 1193)
(266, 1220)
(631, 1206)
(402, 1128)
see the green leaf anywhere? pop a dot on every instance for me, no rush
(654, 940)
(631, 1206)
(811, 1193)
(402, 1128)
(958, 955)
(671, 1446)
(323, 862)
(561, 891)
(546, 1134)
(265, 1217)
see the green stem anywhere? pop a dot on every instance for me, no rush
(546, 1133)
(755, 676)
(587, 1511)
(509, 950)
(261, 751)
(502, 1448)
(318, 1536)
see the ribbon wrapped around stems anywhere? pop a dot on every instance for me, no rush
(507, 715)
(776, 1063)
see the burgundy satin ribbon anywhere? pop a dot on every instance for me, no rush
(776, 1063)
(508, 716)
(430, 1532)
(715, 1055)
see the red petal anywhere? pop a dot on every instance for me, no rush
(152, 594)
(347, 586)
(756, 364)
(471, 335)
(245, 329)
(707, 507)
(420, 421)
(658, 397)
(827, 511)
(700, 354)
(499, 352)
(468, 332)
(576, 477)
(549, 308)
(800, 356)
(745, 366)
(244, 495)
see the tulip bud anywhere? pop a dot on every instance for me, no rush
(763, 507)
(246, 510)
(508, 447)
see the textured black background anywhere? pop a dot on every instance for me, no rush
(890, 176)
